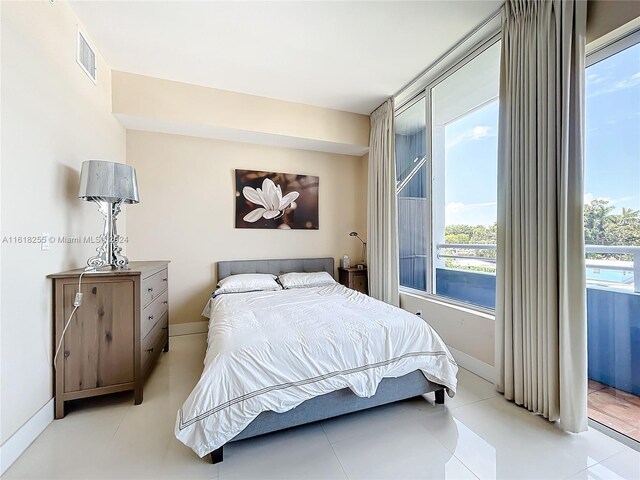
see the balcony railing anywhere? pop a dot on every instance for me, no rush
(452, 250)
(613, 313)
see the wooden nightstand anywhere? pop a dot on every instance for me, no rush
(355, 278)
(115, 336)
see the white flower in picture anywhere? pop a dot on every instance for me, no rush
(273, 204)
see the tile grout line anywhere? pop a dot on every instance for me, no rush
(357, 435)
(453, 453)
(334, 451)
(546, 441)
(473, 403)
(119, 423)
(465, 465)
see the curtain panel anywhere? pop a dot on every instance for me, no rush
(382, 222)
(541, 328)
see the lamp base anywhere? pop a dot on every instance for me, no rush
(102, 260)
(109, 252)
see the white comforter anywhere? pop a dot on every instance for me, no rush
(274, 350)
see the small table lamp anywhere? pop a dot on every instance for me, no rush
(364, 247)
(109, 185)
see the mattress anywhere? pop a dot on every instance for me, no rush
(271, 351)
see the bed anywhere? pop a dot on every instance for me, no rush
(285, 358)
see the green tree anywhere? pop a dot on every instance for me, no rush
(597, 218)
(603, 227)
(470, 234)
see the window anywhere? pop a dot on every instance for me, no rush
(612, 233)
(412, 185)
(612, 170)
(446, 173)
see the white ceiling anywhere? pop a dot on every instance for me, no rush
(342, 55)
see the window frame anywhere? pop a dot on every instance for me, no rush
(479, 48)
(612, 47)
(426, 95)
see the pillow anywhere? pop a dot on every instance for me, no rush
(305, 280)
(248, 282)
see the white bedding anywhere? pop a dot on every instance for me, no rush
(274, 350)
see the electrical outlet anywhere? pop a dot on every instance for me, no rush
(45, 245)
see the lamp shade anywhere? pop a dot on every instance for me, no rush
(108, 182)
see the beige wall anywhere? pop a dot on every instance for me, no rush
(186, 211)
(158, 103)
(53, 118)
(604, 16)
(464, 329)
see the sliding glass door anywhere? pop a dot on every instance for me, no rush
(612, 235)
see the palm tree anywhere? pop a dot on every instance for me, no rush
(629, 215)
(597, 217)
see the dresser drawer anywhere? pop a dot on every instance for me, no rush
(154, 342)
(153, 286)
(153, 312)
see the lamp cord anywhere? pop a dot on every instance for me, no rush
(64, 330)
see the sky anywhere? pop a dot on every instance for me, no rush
(612, 152)
(471, 155)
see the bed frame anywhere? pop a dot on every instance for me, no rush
(332, 404)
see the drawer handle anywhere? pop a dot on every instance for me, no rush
(150, 289)
(164, 279)
(150, 317)
(150, 350)
(165, 302)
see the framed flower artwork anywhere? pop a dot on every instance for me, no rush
(276, 200)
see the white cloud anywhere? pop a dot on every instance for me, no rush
(480, 132)
(590, 197)
(454, 207)
(608, 86)
(594, 78)
(476, 133)
(458, 213)
(628, 198)
(632, 81)
(459, 206)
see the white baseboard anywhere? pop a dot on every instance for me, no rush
(188, 328)
(480, 368)
(20, 440)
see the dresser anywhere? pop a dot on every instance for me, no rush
(115, 336)
(355, 278)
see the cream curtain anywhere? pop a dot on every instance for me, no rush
(541, 331)
(382, 222)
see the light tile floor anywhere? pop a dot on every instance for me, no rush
(477, 434)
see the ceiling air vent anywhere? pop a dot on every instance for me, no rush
(86, 57)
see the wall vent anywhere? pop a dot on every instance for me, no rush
(86, 57)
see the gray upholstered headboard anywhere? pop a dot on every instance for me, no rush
(276, 267)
